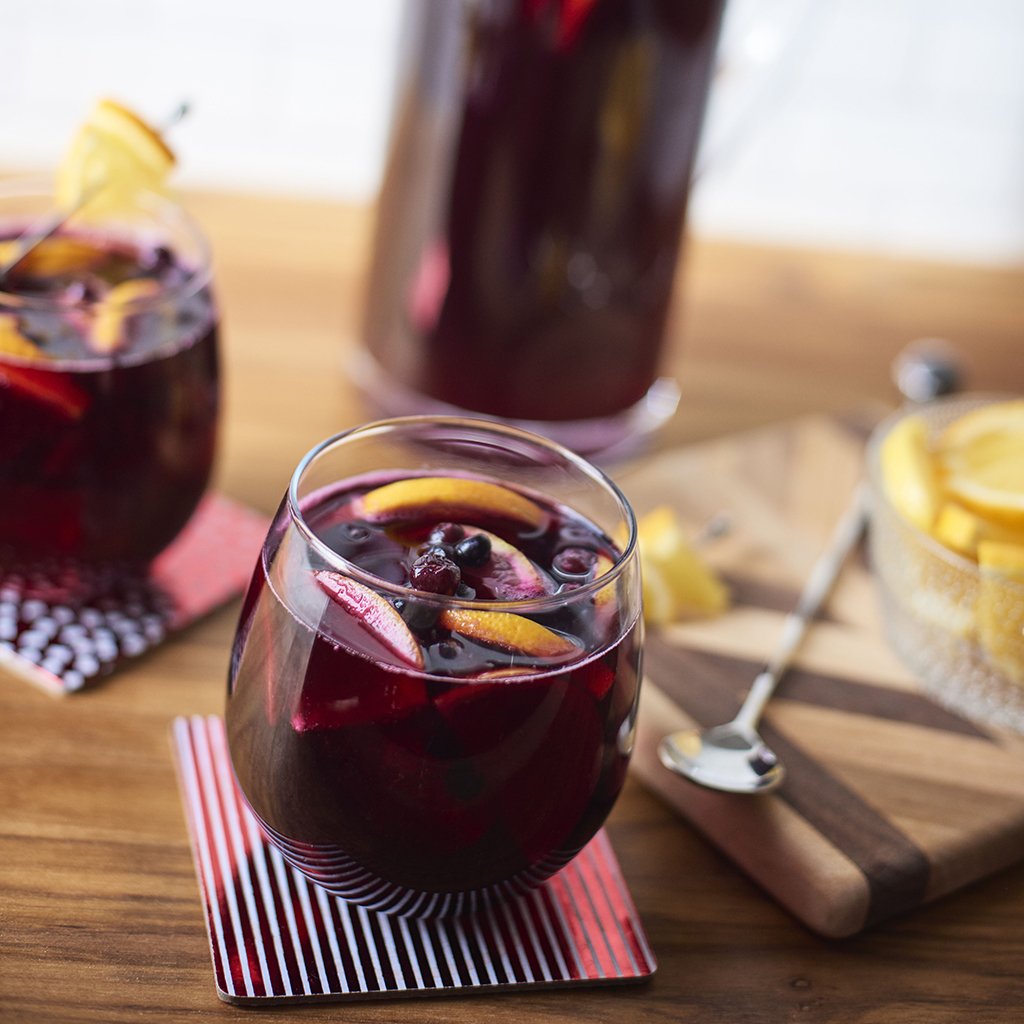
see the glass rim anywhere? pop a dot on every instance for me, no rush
(546, 603)
(934, 547)
(159, 210)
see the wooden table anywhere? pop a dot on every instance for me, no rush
(99, 913)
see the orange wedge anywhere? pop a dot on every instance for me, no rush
(449, 498)
(676, 581)
(375, 614)
(510, 632)
(113, 157)
(108, 328)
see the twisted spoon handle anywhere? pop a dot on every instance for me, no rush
(845, 536)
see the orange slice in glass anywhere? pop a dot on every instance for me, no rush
(52, 257)
(114, 155)
(450, 498)
(509, 632)
(38, 382)
(109, 325)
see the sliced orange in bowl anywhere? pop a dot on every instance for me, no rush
(982, 458)
(1000, 611)
(908, 471)
(114, 155)
(450, 498)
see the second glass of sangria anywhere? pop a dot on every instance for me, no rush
(108, 384)
(434, 683)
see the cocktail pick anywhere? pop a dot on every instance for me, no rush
(51, 223)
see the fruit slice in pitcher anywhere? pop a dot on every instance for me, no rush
(447, 498)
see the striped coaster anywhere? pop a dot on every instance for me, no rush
(276, 937)
(64, 640)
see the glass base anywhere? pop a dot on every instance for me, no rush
(602, 439)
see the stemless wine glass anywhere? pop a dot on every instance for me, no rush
(433, 687)
(108, 384)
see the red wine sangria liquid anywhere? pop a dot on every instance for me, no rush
(442, 733)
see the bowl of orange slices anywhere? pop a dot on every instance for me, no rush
(947, 548)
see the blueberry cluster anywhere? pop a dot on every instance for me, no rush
(438, 567)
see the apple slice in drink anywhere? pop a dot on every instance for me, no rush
(506, 574)
(374, 613)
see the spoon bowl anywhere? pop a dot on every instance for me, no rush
(730, 757)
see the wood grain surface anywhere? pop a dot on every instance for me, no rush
(890, 799)
(100, 919)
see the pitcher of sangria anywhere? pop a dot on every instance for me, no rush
(530, 217)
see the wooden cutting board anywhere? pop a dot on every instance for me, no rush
(890, 800)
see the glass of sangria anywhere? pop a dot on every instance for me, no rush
(108, 384)
(433, 687)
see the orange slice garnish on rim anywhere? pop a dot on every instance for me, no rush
(451, 498)
(509, 632)
(114, 155)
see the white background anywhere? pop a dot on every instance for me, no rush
(882, 125)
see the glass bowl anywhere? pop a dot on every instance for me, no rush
(959, 628)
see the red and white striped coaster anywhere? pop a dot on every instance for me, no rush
(63, 641)
(276, 937)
